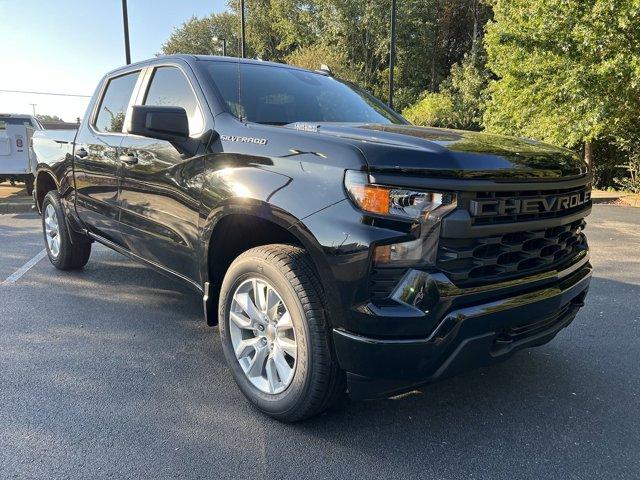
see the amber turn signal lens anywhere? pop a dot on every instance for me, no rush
(382, 254)
(376, 199)
(370, 198)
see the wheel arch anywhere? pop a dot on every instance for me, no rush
(44, 182)
(222, 242)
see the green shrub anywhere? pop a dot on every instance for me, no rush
(632, 182)
(434, 109)
(460, 102)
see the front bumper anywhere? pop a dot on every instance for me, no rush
(523, 315)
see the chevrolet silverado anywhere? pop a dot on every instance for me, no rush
(337, 247)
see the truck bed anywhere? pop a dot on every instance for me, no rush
(52, 146)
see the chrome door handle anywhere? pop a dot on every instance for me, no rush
(129, 159)
(82, 153)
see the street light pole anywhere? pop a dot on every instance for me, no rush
(242, 52)
(392, 52)
(125, 21)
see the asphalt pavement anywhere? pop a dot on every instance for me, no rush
(15, 199)
(110, 372)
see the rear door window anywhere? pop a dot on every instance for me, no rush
(115, 100)
(170, 88)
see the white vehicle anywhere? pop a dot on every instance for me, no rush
(17, 162)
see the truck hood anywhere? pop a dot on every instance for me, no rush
(454, 153)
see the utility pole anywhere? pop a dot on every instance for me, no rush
(242, 52)
(125, 21)
(33, 107)
(392, 52)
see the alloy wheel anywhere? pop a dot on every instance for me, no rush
(52, 230)
(263, 336)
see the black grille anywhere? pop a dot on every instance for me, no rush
(510, 255)
(384, 280)
(530, 194)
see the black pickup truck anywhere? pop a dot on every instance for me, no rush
(338, 247)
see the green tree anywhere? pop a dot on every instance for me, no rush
(568, 71)
(460, 103)
(432, 36)
(360, 29)
(432, 109)
(196, 35)
(49, 118)
(314, 56)
(275, 28)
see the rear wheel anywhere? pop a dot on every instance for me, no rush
(275, 334)
(66, 249)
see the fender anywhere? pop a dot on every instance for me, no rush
(44, 170)
(264, 211)
(279, 217)
(277, 189)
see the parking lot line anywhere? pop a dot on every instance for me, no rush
(25, 268)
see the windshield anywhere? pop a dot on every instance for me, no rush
(278, 96)
(15, 121)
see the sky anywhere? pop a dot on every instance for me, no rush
(66, 46)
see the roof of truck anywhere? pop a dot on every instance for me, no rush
(16, 115)
(189, 57)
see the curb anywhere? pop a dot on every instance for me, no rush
(617, 202)
(17, 207)
(604, 200)
(630, 201)
(615, 198)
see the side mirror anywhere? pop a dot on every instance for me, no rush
(163, 123)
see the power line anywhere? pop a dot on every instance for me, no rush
(45, 93)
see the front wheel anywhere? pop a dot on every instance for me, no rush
(275, 334)
(64, 251)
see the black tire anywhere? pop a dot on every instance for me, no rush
(317, 381)
(74, 249)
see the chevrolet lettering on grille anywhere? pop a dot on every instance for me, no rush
(515, 206)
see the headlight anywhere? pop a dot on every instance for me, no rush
(399, 202)
(426, 208)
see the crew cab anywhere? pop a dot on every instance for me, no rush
(337, 247)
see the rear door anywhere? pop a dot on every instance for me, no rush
(5, 145)
(96, 163)
(14, 145)
(161, 186)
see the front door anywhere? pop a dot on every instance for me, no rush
(161, 186)
(96, 163)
